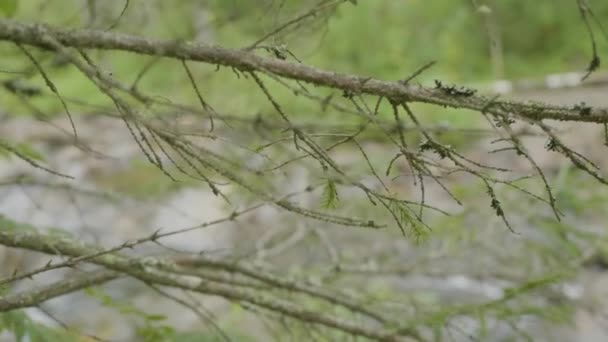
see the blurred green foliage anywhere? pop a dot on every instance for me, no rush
(389, 39)
(8, 7)
(381, 38)
(22, 328)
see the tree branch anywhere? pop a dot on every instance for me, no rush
(60, 288)
(33, 34)
(148, 270)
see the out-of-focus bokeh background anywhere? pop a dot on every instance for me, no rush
(531, 47)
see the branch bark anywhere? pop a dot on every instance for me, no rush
(60, 288)
(243, 60)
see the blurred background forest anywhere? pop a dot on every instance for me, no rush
(468, 278)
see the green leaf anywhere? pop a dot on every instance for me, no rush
(149, 333)
(8, 7)
(407, 220)
(156, 317)
(329, 198)
(15, 322)
(20, 325)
